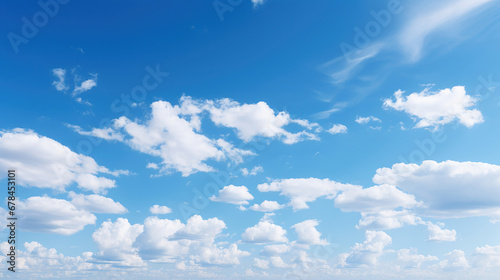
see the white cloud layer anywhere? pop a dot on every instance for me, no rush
(433, 109)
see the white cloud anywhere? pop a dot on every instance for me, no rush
(96, 203)
(433, 109)
(264, 232)
(278, 262)
(257, 3)
(337, 128)
(254, 120)
(436, 233)
(386, 219)
(234, 195)
(455, 260)
(308, 234)
(368, 252)
(115, 241)
(104, 133)
(157, 209)
(260, 263)
(46, 214)
(487, 256)
(303, 190)
(255, 170)
(197, 228)
(365, 120)
(448, 189)
(86, 85)
(60, 85)
(45, 163)
(411, 259)
(266, 206)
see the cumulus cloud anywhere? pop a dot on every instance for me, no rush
(234, 195)
(365, 120)
(448, 189)
(96, 203)
(487, 256)
(411, 259)
(260, 263)
(337, 128)
(368, 252)
(455, 260)
(433, 109)
(157, 209)
(275, 249)
(308, 234)
(255, 170)
(60, 74)
(436, 233)
(266, 206)
(45, 163)
(264, 232)
(303, 190)
(46, 214)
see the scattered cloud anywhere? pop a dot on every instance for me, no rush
(308, 234)
(433, 109)
(96, 203)
(411, 259)
(60, 74)
(266, 206)
(366, 254)
(337, 128)
(254, 171)
(86, 85)
(264, 232)
(365, 120)
(234, 195)
(157, 210)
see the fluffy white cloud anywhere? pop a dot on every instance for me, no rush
(253, 172)
(260, 263)
(437, 108)
(455, 260)
(386, 219)
(45, 163)
(308, 234)
(436, 233)
(448, 189)
(365, 120)
(86, 85)
(337, 128)
(96, 203)
(487, 256)
(278, 262)
(60, 74)
(411, 259)
(368, 252)
(264, 232)
(115, 241)
(157, 209)
(46, 214)
(197, 228)
(266, 206)
(234, 195)
(254, 120)
(303, 190)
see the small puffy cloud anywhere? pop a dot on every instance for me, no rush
(337, 128)
(266, 206)
(157, 209)
(234, 195)
(278, 262)
(86, 85)
(386, 219)
(303, 190)
(60, 74)
(365, 120)
(46, 214)
(433, 109)
(45, 163)
(264, 232)
(96, 203)
(487, 256)
(436, 233)
(368, 252)
(197, 228)
(253, 172)
(256, 120)
(448, 189)
(455, 260)
(308, 234)
(411, 259)
(260, 263)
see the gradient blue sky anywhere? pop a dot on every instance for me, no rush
(371, 127)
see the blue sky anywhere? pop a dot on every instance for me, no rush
(252, 139)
